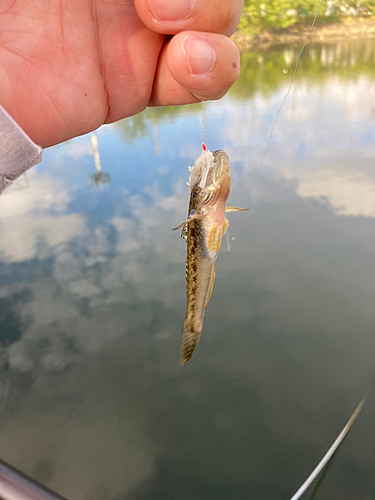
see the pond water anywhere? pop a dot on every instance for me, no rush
(93, 400)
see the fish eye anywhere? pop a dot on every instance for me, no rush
(199, 193)
(201, 196)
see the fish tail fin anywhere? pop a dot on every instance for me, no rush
(189, 341)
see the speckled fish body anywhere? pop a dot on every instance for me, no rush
(209, 187)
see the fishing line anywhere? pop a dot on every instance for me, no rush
(204, 120)
(327, 457)
(288, 91)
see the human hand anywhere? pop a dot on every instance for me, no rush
(68, 66)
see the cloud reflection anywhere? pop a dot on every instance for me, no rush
(310, 142)
(26, 220)
(349, 191)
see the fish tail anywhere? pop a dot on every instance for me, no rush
(190, 338)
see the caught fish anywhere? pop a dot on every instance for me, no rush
(209, 186)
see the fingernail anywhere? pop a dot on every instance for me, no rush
(170, 10)
(200, 56)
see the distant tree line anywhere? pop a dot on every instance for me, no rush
(275, 14)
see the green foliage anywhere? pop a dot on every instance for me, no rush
(267, 14)
(276, 14)
(362, 6)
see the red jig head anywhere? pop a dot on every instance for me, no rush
(204, 146)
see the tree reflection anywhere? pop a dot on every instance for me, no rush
(147, 123)
(265, 72)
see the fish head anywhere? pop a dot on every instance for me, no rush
(209, 183)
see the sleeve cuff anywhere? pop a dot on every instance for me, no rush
(18, 152)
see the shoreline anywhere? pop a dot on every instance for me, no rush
(296, 34)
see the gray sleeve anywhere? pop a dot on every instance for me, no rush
(18, 152)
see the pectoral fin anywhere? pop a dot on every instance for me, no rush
(236, 209)
(186, 222)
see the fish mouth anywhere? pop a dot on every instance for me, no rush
(209, 168)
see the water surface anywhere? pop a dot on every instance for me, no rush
(93, 400)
